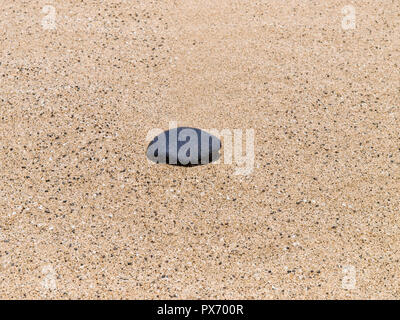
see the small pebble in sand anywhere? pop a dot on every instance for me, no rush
(184, 146)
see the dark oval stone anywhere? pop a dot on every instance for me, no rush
(184, 146)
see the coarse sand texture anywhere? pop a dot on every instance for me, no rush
(309, 207)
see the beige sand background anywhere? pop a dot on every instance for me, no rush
(84, 215)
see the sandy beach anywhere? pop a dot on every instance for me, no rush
(84, 215)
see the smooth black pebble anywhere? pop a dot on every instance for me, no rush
(184, 146)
